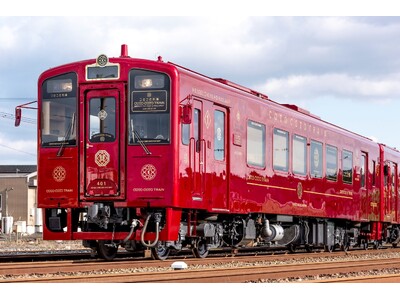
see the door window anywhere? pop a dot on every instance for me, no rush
(219, 135)
(102, 120)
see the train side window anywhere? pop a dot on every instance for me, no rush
(196, 128)
(373, 173)
(219, 135)
(386, 173)
(363, 169)
(185, 132)
(299, 155)
(281, 150)
(255, 144)
(394, 167)
(331, 163)
(316, 159)
(347, 166)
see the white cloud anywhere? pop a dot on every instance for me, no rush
(340, 86)
(17, 151)
(292, 59)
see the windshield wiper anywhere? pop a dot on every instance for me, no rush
(139, 140)
(67, 135)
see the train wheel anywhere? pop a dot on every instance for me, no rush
(201, 249)
(292, 248)
(377, 245)
(346, 243)
(160, 251)
(345, 247)
(107, 250)
(364, 245)
(309, 248)
(330, 248)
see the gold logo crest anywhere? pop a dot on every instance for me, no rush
(59, 174)
(148, 172)
(299, 190)
(102, 158)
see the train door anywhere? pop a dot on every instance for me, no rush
(390, 190)
(208, 155)
(218, 129)
(197, 153)
(364, 185)
(393, 191)
(103, 145)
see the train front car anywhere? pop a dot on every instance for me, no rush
(106, 152)
(145, 155)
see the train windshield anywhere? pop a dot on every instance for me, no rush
(149, 118)
(58, 111)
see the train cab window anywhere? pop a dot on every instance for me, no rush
(219, 135)
(299, 155)
(149, 117)
(331, 163)
(316, 159)
(281, 150)
(255, 144)
(58, 111)
(347, 166)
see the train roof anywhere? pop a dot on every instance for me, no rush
(262, 97)
(219, 81)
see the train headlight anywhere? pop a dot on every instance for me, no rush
(60, 86)
(149, 82)
(146, 83)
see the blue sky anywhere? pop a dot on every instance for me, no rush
(344, 69)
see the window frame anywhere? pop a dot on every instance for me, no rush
(276, 165)
(328, 175)
(314, 159)
(140, 116)
(219, 135)
(343, 166)
(303, 140)
(252, 163)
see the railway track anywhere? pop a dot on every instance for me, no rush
(316, 267)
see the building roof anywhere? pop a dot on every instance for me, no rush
(17, 169)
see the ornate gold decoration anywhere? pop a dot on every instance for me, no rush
(59, 174)
(148, 172)
(102, 158)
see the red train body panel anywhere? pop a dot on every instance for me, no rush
(148, 154)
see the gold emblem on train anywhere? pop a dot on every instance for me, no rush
(102, 158)
(207, 119)
(148, 172)
(299, 190)
(59, 174)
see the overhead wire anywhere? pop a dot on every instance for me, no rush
(12, 117)
(24, 119)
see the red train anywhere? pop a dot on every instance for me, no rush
(148, 154)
